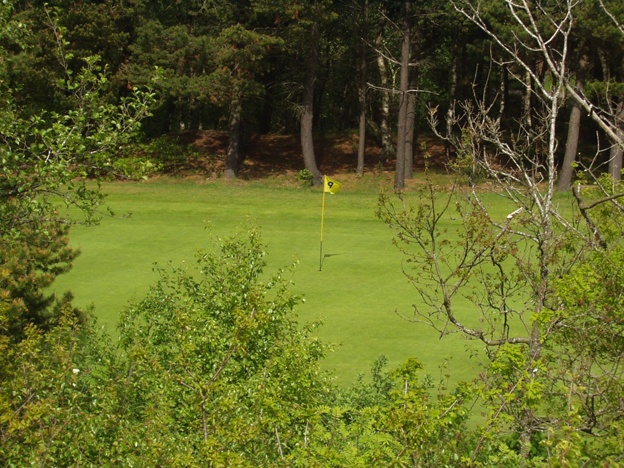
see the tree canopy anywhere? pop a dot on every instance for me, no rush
(212, 367)
(310, 68)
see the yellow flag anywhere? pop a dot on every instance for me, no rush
(330, 185)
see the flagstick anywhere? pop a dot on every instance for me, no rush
(322, 226)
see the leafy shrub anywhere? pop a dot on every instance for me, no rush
(305, 178)
(215, 352)
(170, 154)
(139, 161)
(135, 168)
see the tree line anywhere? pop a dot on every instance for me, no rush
(211, 368)
(309, 67)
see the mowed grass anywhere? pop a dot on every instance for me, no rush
(357, 294)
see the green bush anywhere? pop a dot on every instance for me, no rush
(305, 178)
(135, 168)
(168, 152)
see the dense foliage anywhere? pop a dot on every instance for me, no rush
(211, 367)
(317, 67)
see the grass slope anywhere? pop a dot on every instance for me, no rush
(357, 294)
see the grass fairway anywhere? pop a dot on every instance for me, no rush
(356, 294)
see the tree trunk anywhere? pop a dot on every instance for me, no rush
(408, 164)
(617, 150)
(307, 112)
(527, 107)
(362, 92)
(504, 93)
(387, 147)
(574, 129)
(615, 162)
(399, 175)
(233, 154)
(451, 104)
(413, 84)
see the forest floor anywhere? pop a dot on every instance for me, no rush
(280, 155)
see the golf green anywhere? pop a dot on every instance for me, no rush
(360, 294)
